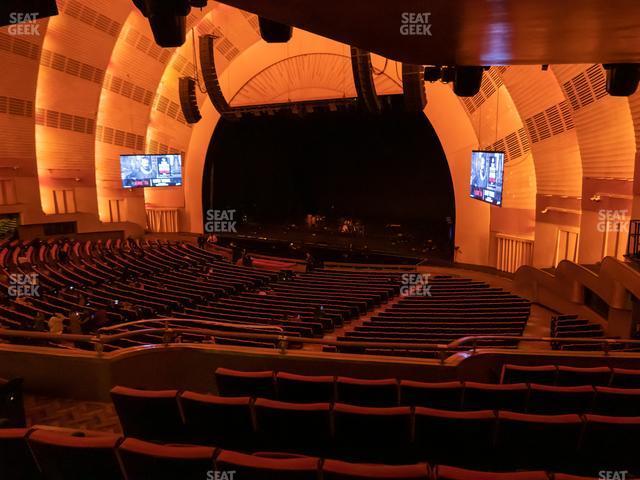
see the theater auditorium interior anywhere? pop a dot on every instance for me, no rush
(331, 240)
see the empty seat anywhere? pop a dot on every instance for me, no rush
(261, 468)
(625, 378)
(454, 438)
(440, 395)
(619, 402)
(571, 376)
(365, 434)
(144, 461)
(224, 422)
(337, 470)
(367, 393)
(551, 400)
(148, 414)
(234, 383)
(304, 389)
(293, 427)
(489, 396)
(452, 473)
(527, 441)
(66, 456)
(16, 460)
(610, 444)
(541, 374)
(11, 403)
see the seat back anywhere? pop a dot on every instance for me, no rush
(293, 427)
(440, 395)
(367, 393)
(620, 402)
(224, 422)
(610, 443)
(261, 468)
(305, 389)
(16, 460)
(572, 376)
(552, 400)
(488, 396)
(151, 415)
(540, 374)
(234, 383)
(142, 461)
(625, 378)
(64, 456)
(337, 470)
(452, 473)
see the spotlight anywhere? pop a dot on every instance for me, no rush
(432, 74)
(447, 74)
(168, 20)
(622, 78)
(545, 67)
(467, 80)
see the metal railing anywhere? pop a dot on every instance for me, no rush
(171, 335)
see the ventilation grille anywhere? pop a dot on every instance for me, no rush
(64, 121)
(120, 138)
(91, 17)
(16, 106)
(586, 87)
(18, 46)
(70, 66)
(515, 145)
(550, 122)
(127, 89)
(252, 19)
(147, 46)
(183, 65)
(155, 147)
(491, 82)
(170, 108)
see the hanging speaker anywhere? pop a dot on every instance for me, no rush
(415, 96)
(210, 74)
(622, 79)
(467, 80)
(274, 32)
(188, 100)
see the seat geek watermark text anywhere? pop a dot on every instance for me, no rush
(415, 24)
(23, 24)
(415, 285)
(221, 475)
(23, 285)
(220, 221)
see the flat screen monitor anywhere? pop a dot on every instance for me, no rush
(487, 174)
(139, 171)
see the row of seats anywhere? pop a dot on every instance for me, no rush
(451, 395)
(479, 439)
(563, 375)
(59, 454)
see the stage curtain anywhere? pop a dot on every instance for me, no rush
(162, 220)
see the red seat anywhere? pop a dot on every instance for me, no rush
(551, 400)
(455, 438)
(16, 460)
(234, 383)
(252, 467)
(337, 470)
(151, 415)
(304, 389)
(224, 422)
(366, 434)
(571, 376)
(548, 442)
(293, 427)
(541, 374)
(65, 456)
(442, 395)
(625, 378)
(610, 443)
(566, 476)
(144, 461)
(452, 473)
(620, 402)
(489, 396)
(367, 393)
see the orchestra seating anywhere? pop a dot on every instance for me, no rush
(11, 403)
(45, 453)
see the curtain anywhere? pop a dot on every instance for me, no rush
(162, 220)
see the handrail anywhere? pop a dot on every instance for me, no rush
(170, 335)
(191, 320)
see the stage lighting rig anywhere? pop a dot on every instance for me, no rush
(168, 19)
(466, 79)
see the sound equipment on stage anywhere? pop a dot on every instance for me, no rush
(274, 32)
(415, 96)
(467, 81)
(622, 78)
(188, 100)
(363, 79)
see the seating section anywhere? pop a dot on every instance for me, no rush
(11, 403)
(63, 454)
(568, 376)
(452, 308)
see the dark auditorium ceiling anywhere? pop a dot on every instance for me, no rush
(471, 32)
